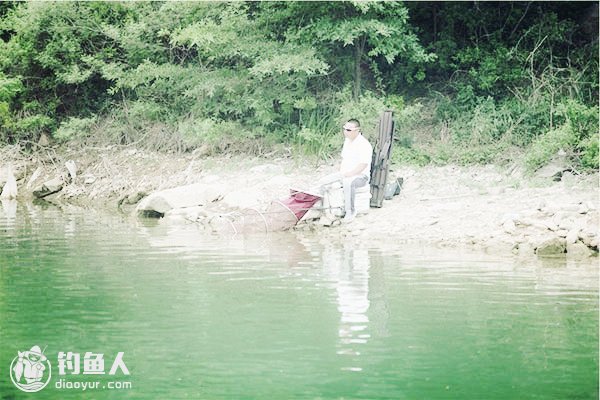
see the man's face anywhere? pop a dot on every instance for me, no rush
(350, 130)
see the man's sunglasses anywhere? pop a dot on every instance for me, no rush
(349, 129)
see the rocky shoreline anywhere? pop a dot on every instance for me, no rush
(489, 208)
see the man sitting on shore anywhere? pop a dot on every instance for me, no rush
(355, 169)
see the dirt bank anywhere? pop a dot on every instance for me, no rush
(484, 207)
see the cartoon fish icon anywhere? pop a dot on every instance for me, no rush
(18, 368)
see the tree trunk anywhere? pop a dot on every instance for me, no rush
(359, 48)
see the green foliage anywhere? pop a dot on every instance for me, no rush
(411, 156)
(9, 87)
(589, 153)
(545, 147)
(367, 110)
(74, 128)
(30, 127)
(218, 134)
(176, 75)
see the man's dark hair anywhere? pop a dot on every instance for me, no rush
(355, 122)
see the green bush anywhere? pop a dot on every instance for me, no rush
(589, 153)
(74, 128)
(545, 147)
(237, 75)
(411, 156)
(368, 110)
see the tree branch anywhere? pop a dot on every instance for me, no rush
(520, 20)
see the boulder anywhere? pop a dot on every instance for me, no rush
(568, 179)
(88, 179)
(509, 226)
(578, 250)
(554, 169)
(132, 198)
(541, 205)
(135, 197)
(566, 223)
(588, 239)
(243, 198)
(526, 249)
(549, 224)
(159, 203)
(9, 189)
(43, 141)
(572, 236)
(36, 174)
(72, 168)
(48, 188)
(562, 233)
(193, 214)
(551, 247)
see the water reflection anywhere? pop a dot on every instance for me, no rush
(354, 273)
(191, 241)
(259, 316)
(348, 269)
(357, 276)
(9, 211)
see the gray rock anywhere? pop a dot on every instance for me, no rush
(568, 179)
(509, 226)
(202, 151)
(559, 215)
(554, 169)
(583, 209)
(89, 179)
(526, 249)
(9, 189)
(520, 239)
(325, 221)
(566, 223)
(48, 188)
(43, 141)
(159, 203)
(570, 207)
(524, 222)
(578, 250)
(510, 217)
(551, 247)
(591, 206)
(541, 206)
(36, 174)
(243, 198)
(133, 198)
(588, 239)
(562, 233)
(550, 225)
(572, 236)
(72, 168)
(188, 213)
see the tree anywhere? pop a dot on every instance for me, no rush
(369, 33)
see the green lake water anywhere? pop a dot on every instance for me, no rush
(284, 316)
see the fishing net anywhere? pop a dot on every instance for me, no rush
(280, 215)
